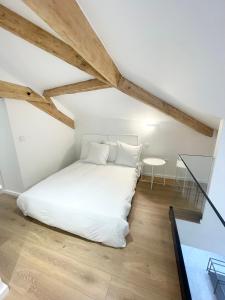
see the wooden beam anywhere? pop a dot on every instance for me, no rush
(139, 93)
(19, 92)
(50, 101)
(14, 91)
(83, 86)
(55, 113)
(67, 19)
(30, 32)
(85, 51)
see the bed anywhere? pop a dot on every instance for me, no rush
(92, 201)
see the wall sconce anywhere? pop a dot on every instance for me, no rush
(151, 125)
(147, 127)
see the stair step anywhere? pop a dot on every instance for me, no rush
(188, 214)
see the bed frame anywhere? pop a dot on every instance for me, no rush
(128, 138)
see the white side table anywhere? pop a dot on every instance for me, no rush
(155, 162)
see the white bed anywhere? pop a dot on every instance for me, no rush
(92, 201)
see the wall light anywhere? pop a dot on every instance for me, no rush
(151, 125)
(148, 127)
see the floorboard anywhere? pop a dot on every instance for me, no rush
(41, 263)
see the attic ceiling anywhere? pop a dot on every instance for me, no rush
(175, 50)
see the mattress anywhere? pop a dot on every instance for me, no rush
(92, 201)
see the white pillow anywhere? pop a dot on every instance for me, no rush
(98, 154)
(86, 144)
(128, 155)
(84, 150)
(112, 151)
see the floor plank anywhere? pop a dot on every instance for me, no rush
(39, 262)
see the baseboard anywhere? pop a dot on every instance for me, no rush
(158, 178)
(10, 192)
(149, 174)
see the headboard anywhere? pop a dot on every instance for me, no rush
(129, 139)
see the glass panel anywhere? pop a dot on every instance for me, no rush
(202, 239)
(199, 167)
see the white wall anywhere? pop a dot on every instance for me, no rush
(43, 144)
(9, 167)
(217, 184)
(208, 235)
(165, 139)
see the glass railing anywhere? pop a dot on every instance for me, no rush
(201, 240)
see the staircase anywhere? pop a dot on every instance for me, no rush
(191, 215)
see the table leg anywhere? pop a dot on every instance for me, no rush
(152, 178)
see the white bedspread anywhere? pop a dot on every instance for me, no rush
(89, 200)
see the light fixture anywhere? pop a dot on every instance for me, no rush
(151, 124)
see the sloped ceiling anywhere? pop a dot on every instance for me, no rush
(33, 66)
(174, 49)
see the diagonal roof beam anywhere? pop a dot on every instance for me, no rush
(67, 19)
(55, 113)
(37, 36)
(78, 87)
(18, 92)
(135, 91)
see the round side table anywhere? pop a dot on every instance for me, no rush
(155, 162)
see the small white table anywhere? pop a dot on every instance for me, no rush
(155, 162)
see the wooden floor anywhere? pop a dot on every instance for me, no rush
(38, 262)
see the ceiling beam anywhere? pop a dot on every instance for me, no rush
(78, 87)
(67, 19)
(55, 113)
(137, 92)
(30, 32)
(19, 92)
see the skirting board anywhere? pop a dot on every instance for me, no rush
(172, 177)
(162, 176)
(3, 290)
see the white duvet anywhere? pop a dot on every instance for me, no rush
(89, 200)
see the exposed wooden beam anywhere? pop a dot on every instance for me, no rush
(67, 19)
(139, 93)
(83, 86)
(85, 51)
(50, 101)
(30, 32)
(55, 113)
(19, 92)
(14, 91)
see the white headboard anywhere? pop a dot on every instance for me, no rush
(129, 139)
